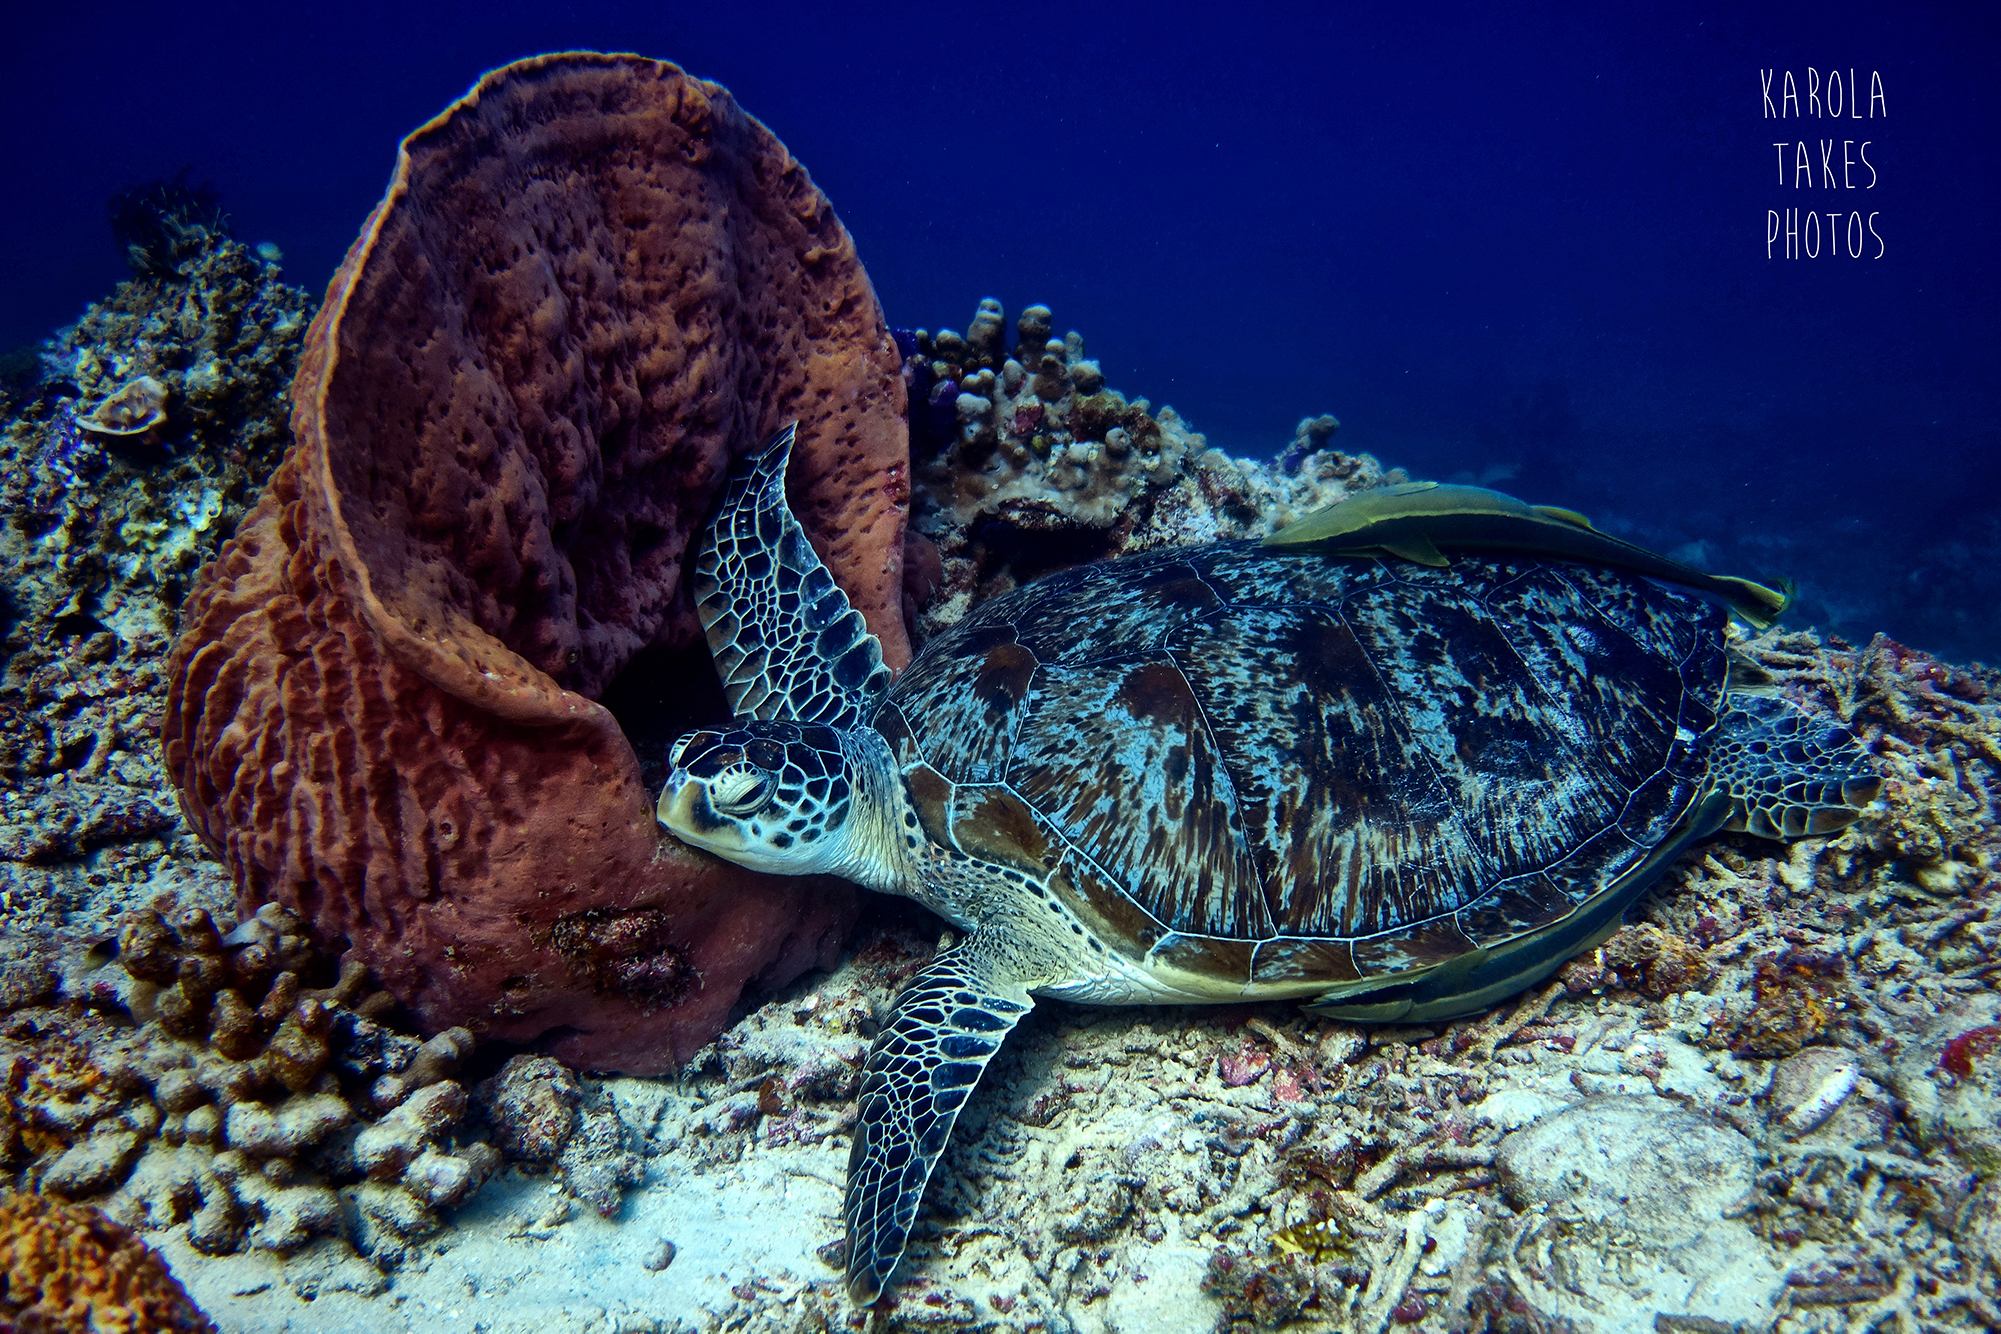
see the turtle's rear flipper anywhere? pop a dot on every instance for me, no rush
(947, 1025)
(1788, 773)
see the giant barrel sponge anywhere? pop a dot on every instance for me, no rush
(593, 281)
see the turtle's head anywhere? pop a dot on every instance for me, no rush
(773, 796)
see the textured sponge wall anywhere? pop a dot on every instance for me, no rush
(592, 282)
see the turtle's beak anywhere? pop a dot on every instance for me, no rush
(687, 813)
(685, 810)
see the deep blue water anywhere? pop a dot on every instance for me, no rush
(1493, 240)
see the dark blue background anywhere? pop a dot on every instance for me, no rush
(1493, 238)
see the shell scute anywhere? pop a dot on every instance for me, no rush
(1208, 956)
(1611, 660)
(1089, 615)
(1655, 806)
(997, 826)
(1120, 759)
(1250, 575)
(1345, 817)
(1418, 946)
(1509, 746)
(1514, 908)
(1103, 905)
(968, 701)
(1653, 619)
(1292, 959)
(1596, 856)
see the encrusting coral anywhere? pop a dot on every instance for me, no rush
(592, 279)
(66, 1267)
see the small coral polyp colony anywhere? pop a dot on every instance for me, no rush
(1025, 460)
(1040, 420)
(241, 1083)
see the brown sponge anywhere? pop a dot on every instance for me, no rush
(594, 280)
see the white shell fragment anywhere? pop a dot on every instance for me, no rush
(1830, 1093)
(1809, 1086)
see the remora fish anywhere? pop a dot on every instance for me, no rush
(1420, 521)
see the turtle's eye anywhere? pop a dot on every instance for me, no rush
(741, 790)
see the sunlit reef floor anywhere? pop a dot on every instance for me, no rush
(1773, 1102)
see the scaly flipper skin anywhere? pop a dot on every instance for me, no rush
(785, 641)
(947, 1025)
(1788, 774)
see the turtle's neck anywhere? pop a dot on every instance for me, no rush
(878, 851)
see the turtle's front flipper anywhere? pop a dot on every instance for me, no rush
(946, 1026)
(1787, 773)
(786, 644)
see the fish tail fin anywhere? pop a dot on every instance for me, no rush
(1757, 603)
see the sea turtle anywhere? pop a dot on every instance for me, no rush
(1222, 773)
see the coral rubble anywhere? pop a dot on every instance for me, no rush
(592, 279)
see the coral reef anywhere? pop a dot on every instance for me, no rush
(1818, 1023)
(1308, 438)
(592, 279)
(212, 344)
(99, 543)
(242, 1087)
(1025, 461)
(68, 1267)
